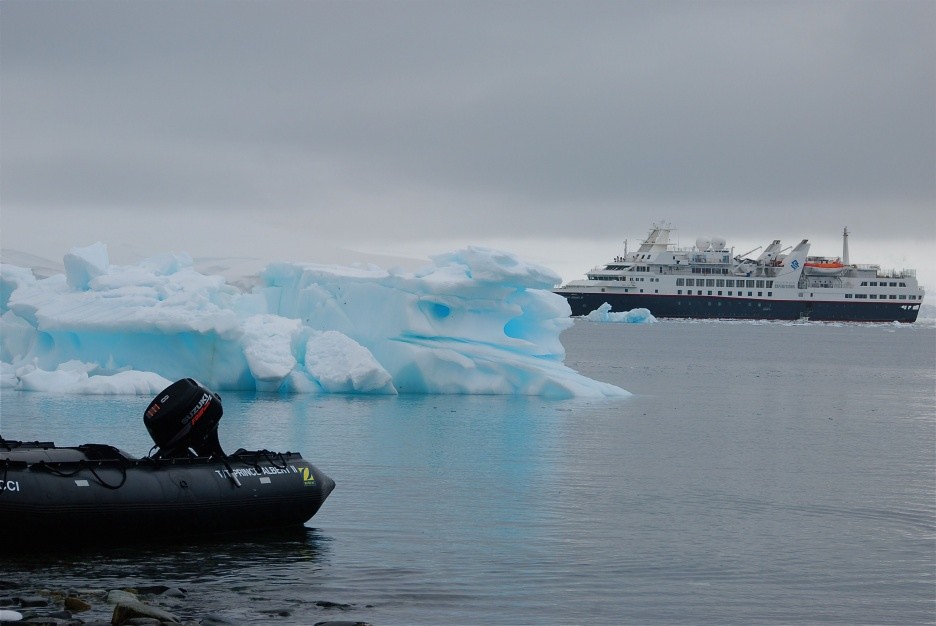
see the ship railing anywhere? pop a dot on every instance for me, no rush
(892, 273)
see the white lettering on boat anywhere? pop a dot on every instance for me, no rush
(10, 485)
(252, 471)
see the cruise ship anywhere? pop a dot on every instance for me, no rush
(710, 281)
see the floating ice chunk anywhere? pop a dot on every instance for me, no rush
(83, 264)
(18, 337)
(12, 278)
(73, 377)
(634, 316)
(268, 341)
(475, 321)
(342, 365)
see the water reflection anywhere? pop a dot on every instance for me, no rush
(172, 563)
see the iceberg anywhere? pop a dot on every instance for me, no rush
(634, 316)
(475, 321)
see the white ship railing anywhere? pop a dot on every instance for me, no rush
(896, 273)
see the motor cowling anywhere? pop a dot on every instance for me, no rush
(183, 416)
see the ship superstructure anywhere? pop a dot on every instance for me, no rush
(709, 281)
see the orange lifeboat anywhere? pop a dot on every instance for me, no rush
(825, 266)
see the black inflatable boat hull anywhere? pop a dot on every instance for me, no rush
(97, 491)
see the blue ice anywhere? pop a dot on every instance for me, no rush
(634, 316)
(475, 321)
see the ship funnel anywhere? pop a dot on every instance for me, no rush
(795, 259)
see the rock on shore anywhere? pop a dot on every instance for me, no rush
(155, 605)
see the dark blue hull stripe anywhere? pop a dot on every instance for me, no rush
(705, 307)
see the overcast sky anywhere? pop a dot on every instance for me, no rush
(323, 131)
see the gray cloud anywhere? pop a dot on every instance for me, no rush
(477, 119)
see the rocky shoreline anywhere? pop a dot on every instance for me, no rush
(155, 605)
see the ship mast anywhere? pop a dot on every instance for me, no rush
(845, 247)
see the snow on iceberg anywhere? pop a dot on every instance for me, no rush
(476, 321)
(634, 316)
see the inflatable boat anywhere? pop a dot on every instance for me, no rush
(187, 486)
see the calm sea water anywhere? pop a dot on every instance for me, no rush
(761, 473)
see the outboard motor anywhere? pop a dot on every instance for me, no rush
(185, 415)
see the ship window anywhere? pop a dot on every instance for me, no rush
(709, 293)
(750, 283)
(862, 296)
(719, 293)
(874, 296)
(750, 293)
(720, 282)
(709, 282)
(690, 282)
(893, 297)
(769, 284)
(679, 292)
(848, 295)
(893, 284)
(760, 293)
(680, 282)
(729, 283)
(769, 294)
(903, 284)
(874, 284)
(699, 292)
(864, 283)
(760, 284)
(903, 297)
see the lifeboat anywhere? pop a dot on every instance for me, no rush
(824, 266)
(187, 487)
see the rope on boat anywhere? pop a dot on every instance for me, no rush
(83, 464)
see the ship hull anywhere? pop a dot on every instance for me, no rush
(712, 307)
